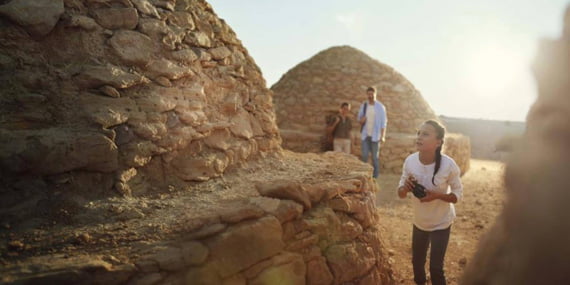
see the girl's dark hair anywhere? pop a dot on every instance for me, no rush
(440, 134)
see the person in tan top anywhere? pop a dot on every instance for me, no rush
(341, 128)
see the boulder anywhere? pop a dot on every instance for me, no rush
(144, 7)
(285, 190)
(244, 245)
(132, 47)
(52, 151)
(349, 261)
(38, 17)
(117, 18)
(97, 76)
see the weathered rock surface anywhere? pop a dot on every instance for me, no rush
(133, 136)
(38, 17)
(146, 101)
(53, 151)
(117, 18)
(97, 76)
(244, 238)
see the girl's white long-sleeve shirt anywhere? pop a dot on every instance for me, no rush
(436, 214)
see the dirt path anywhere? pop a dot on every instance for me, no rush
(482, 202)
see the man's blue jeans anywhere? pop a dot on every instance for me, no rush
(370, 147)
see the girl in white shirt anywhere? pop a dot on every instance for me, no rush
(433, 213)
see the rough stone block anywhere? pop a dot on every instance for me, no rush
(244, 245)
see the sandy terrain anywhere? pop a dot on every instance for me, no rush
(482, 202)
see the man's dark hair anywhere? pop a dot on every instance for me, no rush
(371, 89)
(344, 104)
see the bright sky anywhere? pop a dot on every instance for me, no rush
(468, 58)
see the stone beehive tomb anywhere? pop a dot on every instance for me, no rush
(307, 95)
(138, 145)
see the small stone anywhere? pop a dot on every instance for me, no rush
(83, 22)
(111, 259)
(208, 64)
(186, 56)
(163, 81)
(198, 38)
(463, 262)
(219, 53)
(116, 18)
(16, 245)
(144, 7)
(30, 98)
(167, 5)
(110, 91)
(284, 189)
(83, 238)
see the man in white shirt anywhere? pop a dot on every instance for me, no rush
(373, 121)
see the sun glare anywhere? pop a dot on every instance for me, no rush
(493, 70)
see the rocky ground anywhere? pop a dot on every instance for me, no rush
(476, 213)
(113, 234)
(116, 230)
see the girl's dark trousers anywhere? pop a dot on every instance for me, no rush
(421, 240)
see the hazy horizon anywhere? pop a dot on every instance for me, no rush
(482, 50)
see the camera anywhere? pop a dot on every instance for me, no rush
(419, 190)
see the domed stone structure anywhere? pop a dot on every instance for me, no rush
(119, 87)
(313, 90)
(138, 145)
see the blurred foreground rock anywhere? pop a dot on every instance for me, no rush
(528, 245)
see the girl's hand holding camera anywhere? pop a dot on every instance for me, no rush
(430, 196)
(409, 185)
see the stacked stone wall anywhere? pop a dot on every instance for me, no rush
(114, 117)
(125, 89)
(302, 229)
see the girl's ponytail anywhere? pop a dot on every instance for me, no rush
(440, 131)
(437, 163)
